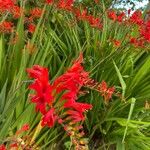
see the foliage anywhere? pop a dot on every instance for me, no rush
(56, 42)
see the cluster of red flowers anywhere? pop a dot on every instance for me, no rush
(94, 22)
(65, 4)
(16, 143)
(143, 27)
(6, 27)
(68, 86)
(35, 13)
(68, 5)
(115, 17)
(6, 5)
(57, 102)
(102, 88)
(105, 91)
(135, 19)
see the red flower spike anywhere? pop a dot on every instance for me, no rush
(103, 86)
(49, 118)
(68, 84)
(42, 87)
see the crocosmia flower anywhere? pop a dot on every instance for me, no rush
(6, 27)
(42, 87)
(6, 5)
(49, 118)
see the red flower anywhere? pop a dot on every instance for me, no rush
(6, 5)
(136, 18)
(117, 43)
(31, 28)
(36, 12)
(25, 127)
(133, 40)
(145, 31)
(65, 4)
(81, 15)
(42, 87)
(94, 22)
(16, 11)
(67, 86)
(49, 118)
(110, 91)
(75, 116)
(6, 27)
(105, 91)
(112, 15)
(120, 17)
(73, 79)
(80, 107)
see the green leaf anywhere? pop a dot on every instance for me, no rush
(123, 84)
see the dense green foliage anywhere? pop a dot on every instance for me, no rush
(58, 39)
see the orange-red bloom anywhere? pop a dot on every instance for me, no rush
(6, 27)
(112, 15)
(6, 5)
(16, 11)
(81, 15)
(65, 4)
(105, 91)
(117, 43)
(36, 12)
(31, 28)
(120, 17)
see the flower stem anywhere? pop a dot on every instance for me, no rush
(37, 131)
